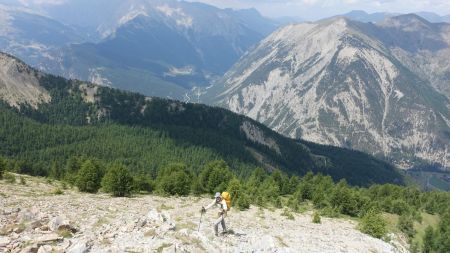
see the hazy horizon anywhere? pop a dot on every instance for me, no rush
(305, 9)
(318, 9)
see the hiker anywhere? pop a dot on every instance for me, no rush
(220, 202)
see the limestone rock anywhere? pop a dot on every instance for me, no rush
(4, 241)
(45, 249)
(48, 238)
(60, 223)
(79, 247)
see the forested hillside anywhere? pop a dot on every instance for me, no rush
(146, 133)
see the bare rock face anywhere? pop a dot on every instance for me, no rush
(348, 84)
(17, 88)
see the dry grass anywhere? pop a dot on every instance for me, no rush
(281, 241)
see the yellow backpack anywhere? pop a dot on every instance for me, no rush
(227, 197)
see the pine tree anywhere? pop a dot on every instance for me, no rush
(89, 177)
(429, 240)
(118, 181)
(2, 167)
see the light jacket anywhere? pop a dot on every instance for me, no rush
(222, 205)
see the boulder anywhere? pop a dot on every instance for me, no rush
(78, 247)
(47, 239)
(60, 223)
(4, 241)
(45, 249)
(35, 224)
(161, 219)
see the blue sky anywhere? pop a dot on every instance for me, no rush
(315, 9)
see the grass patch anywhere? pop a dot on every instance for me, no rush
(57, 191)
(391, 221)
(190, 241)
(150, 233)
(188, 225)
(281, 241)
(164, 207)
(9, 178)
(427, 220)
(65, 233)
(288, 214)
(162, 247)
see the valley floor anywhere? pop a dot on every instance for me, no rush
(34, 218)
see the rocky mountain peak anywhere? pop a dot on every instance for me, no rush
(337, 82)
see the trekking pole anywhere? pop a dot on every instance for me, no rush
(201, 215)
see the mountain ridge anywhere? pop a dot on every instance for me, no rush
(325, 84)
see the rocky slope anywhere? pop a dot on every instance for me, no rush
(33, 220)
(346, 83)
(19, 84)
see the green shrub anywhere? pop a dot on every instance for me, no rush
(58, 191)
(118, 181)
(243, 203)
(400, 207)
(143, 182)
(215, 176)
(406, 225)
(443, 241)
(9, 178)
(373, 224)
(316, 218)
(429, 240)
(278, 203)
(235, 188)
(288, 214)
(175, 179)
(2, 167)
(89, 177)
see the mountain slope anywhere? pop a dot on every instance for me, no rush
(32, 36)
(81, 119)
(336, 82)
(161, 48)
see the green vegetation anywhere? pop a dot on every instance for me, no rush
(372, 223)
(89, 177)
(175, 179)
(118, 181)
(316, 218)
(2, 167)
(10, 178)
